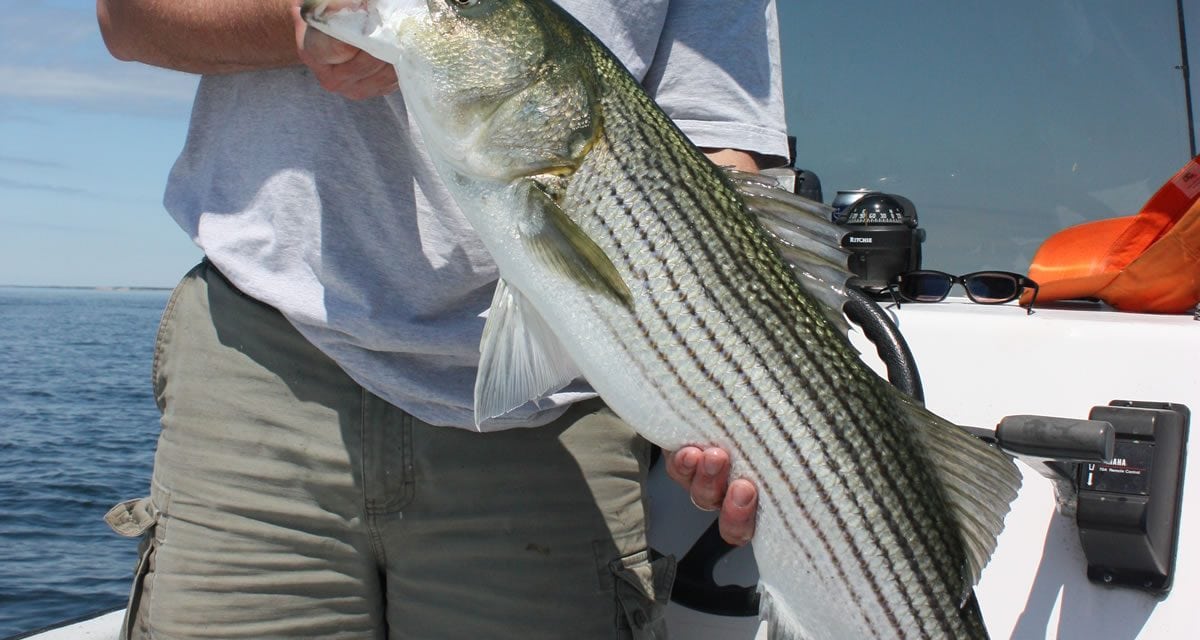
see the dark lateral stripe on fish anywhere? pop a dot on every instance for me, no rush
(883, 504)
(785, 433)
(836, 462)
(666, 361)
(826, 499)
(770, 498)
(897, 500)
(840, 520)
(946, 539)
(851, 414)
(902, 542)
(898, 536)
(696, 362)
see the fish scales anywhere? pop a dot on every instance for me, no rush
(673, 302)
(729, 234)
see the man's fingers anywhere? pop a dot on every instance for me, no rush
(705, 474)
(738, 511)
(682, 465)
(360, 75)
(363, 76)
(315, 48)
(340, 67)
(326, 50)
(361, 66)
(709, 483)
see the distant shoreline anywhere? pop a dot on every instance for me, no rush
(82, 287)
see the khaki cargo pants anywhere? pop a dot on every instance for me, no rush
(287, 502)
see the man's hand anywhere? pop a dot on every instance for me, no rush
(705, 475)
(342, 68)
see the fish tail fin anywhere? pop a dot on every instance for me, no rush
(979, 480)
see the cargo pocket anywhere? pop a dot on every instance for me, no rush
(643, 585)
(131, 519)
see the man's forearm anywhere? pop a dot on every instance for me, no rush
(200, 36)
(734, 158)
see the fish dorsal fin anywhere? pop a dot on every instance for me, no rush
(557, 242)
(979, 479)
(805, 237)
(520, 359)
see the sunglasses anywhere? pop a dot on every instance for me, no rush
(983, 287)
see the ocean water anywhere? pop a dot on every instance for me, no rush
(78, 428)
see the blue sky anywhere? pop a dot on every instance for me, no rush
(88, 142)
(1002, 121)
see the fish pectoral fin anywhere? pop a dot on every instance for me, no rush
(980, 483)
(557, 242)
(520, 358)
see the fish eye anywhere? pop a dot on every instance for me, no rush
(462, 4)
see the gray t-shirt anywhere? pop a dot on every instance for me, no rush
(330, 211)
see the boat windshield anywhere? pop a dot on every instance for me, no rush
(1002, 122)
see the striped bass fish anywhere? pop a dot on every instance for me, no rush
(703, 307)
